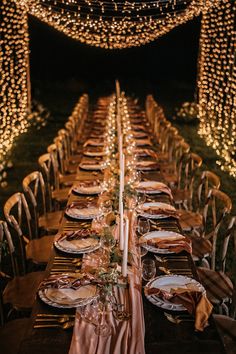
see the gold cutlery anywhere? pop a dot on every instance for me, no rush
(178, 319)
(65, 325)
(61, 319)
(175, 271)
(52, 315)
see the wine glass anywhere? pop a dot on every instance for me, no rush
(143, 226)
(103, 328)
(148, 269)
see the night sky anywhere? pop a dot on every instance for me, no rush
(168, 64)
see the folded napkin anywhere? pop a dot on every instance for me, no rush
(138, 134)
(66, 281)
(141, 142)
(145, 153)
(160, 211)
(82, 204)
(147, 165)
(174, 244)
(68, 295)
(88, 183)
(94, 142)
(77, 235)
(152, 186)
(194, 301)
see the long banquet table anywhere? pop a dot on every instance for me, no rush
(161, 335)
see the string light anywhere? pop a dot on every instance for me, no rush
(217, 82)
(14, 70)
(116, 25)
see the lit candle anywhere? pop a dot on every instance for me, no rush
(126, 246)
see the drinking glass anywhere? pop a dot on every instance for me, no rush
(148, 269)
(143, 226)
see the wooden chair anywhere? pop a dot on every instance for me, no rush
(170, 170)
(227, 330)
(218, 206)
(19, 218)
(217, 280)
(193, 219)
(34, 187)
(56, 194)
(58, 165)
(187, 168)
(21, 287)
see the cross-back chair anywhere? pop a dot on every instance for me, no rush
(187, 169)
(50, 170)
(217, 208)
(18, 216)
(218, 280)
(20, 287)
(193, 219)
(34, 187)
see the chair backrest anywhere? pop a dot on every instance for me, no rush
(187, 167)
(167, 137)
(218, 206)
(18, 216)
(208, 180)
(8, 258)
(34, 187)
(52, 150)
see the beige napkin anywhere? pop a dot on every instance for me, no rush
(194, 301)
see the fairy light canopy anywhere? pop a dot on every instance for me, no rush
(115, 24)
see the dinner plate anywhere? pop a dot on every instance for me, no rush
(168, 282)
(83, 213)
(164, 206)
(153, 187)
(94, 153)
(147, 165)
(91, 167)
(68, 298)
(160, 234)
(143, 142)
(94, 142)
(80, 246)
(90, 190)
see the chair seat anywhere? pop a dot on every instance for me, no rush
(51, 221)
(39, 250)
(12, 334)
(218, 285)
(189, 220)
(180, 195)
(201, 247)
(227, 330)
(20, 292)
(61, 195)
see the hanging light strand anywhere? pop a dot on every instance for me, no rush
(217, 82)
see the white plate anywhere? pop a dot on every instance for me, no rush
(83, 213)
(146, 165)
(87, 190)
(159, 234)
(68, 298)
(91, 167)
(152, 187)
(167, 282)
(94, 153)
(141, 210)
(143, 142)
(85, 245)
(93, 142)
